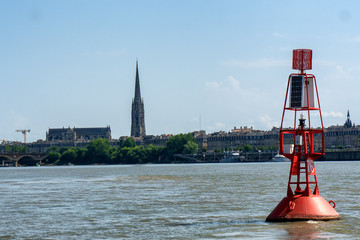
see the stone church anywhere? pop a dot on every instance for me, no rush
(77, 134)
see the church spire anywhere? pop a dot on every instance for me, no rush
(348, 123)
(137, 110)
(137, 84)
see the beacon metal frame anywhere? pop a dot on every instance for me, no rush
(297, 143)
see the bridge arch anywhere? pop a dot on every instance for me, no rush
(25, 159)
(7, 161)
(28, 160)
(5, 158)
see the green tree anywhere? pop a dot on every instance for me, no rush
(190, 147)
(261, 148)
(128, 142)
(16, 149)
(63, 149)
(80, 156)
(68, 156)
(52, 157)
(98, 151)
(139, 154)
(154, 153)
(247, 148)
(115, 155)
(217, 150)
(53, 148)
(176, 144)
(125, 155)
(272, 148)
(7, 149)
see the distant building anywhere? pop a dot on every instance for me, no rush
(156, 140)
(347, 135)
(239, 137)
(137, 110)
(77, 134)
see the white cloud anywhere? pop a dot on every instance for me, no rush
(333, 114)
(231, 90)
(219, 125)
(279, 35)
(213, 85)
(195, 119)
(268, 122)
(325, 63)
(239, 105)
(18, 120)
(355, 39)
(230, 83)
(286, 49)
(260, 63)
(346, 75)
(233, 82)
(215, 127)
(11, 121)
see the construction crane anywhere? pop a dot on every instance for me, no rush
(23, 131)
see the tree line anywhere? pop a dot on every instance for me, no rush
(100, 151)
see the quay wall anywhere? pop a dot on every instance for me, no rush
(341, 156)
(347, 155)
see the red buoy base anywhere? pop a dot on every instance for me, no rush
(303, 208)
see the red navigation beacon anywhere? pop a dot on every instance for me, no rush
(302, 144)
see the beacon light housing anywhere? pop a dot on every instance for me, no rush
(302, 59)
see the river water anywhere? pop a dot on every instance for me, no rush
(175, 201)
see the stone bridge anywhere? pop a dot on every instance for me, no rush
(18, 159)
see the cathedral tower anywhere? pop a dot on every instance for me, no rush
(137, 110)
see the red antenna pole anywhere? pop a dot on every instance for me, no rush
(297, 143)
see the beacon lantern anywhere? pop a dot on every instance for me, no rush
(302, 143)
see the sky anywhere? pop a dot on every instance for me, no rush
(210, 65)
